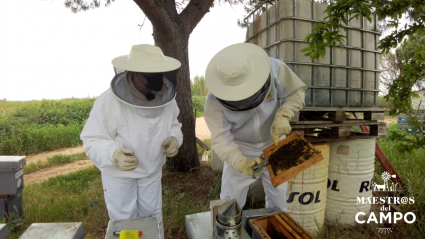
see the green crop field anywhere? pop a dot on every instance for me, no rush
(38, 126)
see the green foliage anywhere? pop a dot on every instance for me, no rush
(382, 103)
(83, 5)
(405, 142)
(198, 86)
(198, 103)
(410, 59)
(38, 126)
(340, 12)
(328, 34)
(31, 139)
(411, 168)
(258, 5)
(199, 91)
(53, 111)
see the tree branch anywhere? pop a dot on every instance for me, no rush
(159, 13)
(194, 12)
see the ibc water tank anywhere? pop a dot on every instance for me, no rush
(344, 78)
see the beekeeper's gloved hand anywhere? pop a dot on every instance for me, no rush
(238, 162)
(171, 146)
(124, 159)
(280, 125)
(246, 167)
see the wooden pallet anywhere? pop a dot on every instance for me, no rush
(327, 132)
(326, 115)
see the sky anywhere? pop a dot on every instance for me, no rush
(48, 52)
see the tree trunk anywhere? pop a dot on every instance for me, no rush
(171, 32)
(176, 46)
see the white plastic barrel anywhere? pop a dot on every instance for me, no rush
(351, 169)
(306, 194)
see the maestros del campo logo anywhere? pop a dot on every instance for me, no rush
(385, 216)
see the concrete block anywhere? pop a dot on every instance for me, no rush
(4, 232)
(68, 230)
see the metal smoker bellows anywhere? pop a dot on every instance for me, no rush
(228, 221)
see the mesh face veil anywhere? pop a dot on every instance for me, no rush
(250, 102)
(123, 89)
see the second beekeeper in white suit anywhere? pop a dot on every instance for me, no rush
(131, 130)
(251, 101)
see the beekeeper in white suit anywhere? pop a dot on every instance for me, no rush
(131, 130)
(251, 101)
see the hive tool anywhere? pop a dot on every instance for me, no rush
(257, 168)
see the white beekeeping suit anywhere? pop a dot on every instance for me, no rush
(251, 100)
(131, 130)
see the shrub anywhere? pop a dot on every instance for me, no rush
(405, 142)
(198, 103)
(31, 139)
(53, 111)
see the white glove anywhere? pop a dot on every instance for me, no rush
(124, 159)
(280, 125)
(171, 146)
(238, 162)
(246, 166)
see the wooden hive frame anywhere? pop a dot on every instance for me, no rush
(280, 223)
(292, 172)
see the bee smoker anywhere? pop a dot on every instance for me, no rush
(227, 221)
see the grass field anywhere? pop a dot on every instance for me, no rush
(78, 197)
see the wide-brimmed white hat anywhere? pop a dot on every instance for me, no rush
(237, 71)
(146, 58)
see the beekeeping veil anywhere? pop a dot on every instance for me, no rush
(239, 76)
(151, 62)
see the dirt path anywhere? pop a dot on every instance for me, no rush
(43, 156)
(44, 174)
(201, 129)
(202, 132)
(390, 120)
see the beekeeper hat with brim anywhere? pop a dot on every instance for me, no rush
(237, 72)
(147, 59)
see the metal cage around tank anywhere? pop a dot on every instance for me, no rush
(345, 78)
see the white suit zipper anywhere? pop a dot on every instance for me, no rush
(151, 133)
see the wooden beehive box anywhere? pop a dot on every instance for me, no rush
(296, 159)
(279, 225)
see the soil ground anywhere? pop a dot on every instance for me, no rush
(201, 130)
(44, 174)
(43, 156)
(390, 120)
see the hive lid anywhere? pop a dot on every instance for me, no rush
(12, 162)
